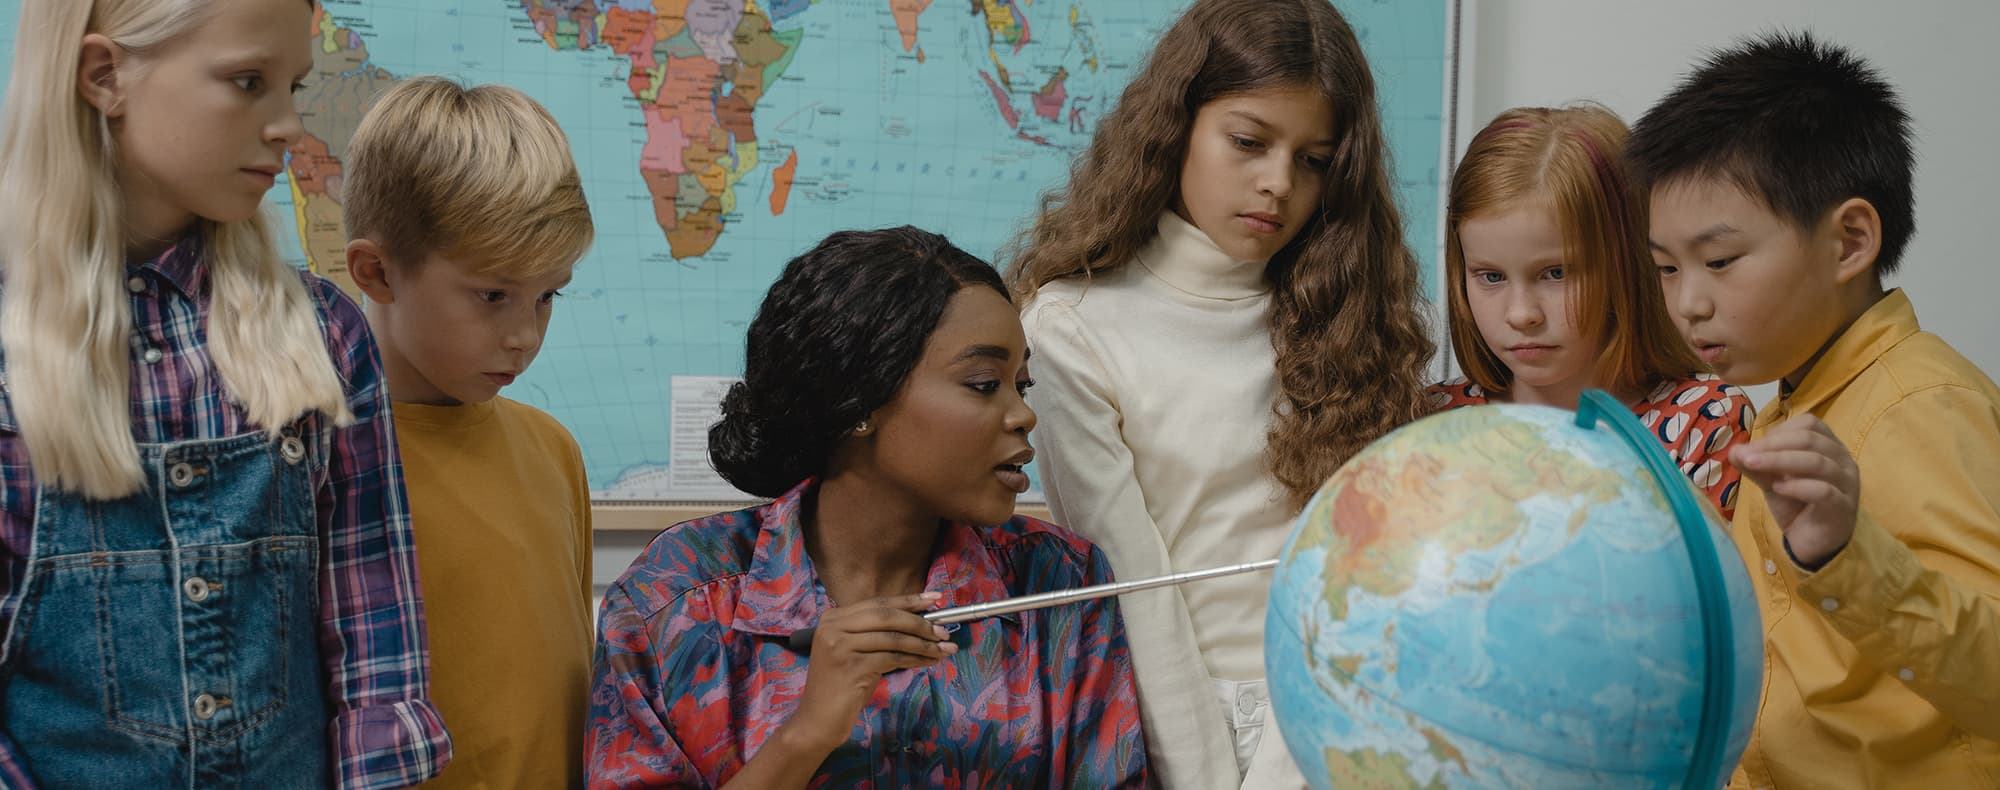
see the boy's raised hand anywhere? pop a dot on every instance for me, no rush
(1811, 483)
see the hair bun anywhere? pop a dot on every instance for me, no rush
(757, 454)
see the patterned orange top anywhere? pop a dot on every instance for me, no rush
(1697, 420)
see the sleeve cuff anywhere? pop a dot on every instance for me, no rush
(1856, 589)
(391, 745)
(1802, 564)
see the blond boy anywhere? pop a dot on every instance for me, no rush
(465, 215)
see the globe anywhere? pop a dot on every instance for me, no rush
(1513, 596)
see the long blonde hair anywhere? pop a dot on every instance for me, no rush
(1569, 160)
(64, 320)
(1347, 318)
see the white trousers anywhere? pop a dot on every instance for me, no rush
(1261, 758)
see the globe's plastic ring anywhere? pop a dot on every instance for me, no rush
(1711, 593)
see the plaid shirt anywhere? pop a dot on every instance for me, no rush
(385, 732)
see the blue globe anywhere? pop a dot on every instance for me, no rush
(1513, 596)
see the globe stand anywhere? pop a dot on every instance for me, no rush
(1710, 745)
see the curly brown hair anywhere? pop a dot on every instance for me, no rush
(1347, 316)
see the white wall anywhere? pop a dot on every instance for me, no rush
(1626, 53)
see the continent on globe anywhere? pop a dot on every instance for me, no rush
(1364, 551)
(1368, 768)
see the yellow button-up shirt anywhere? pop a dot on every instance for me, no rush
(1882, 669)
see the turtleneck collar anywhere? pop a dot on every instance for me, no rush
(1185, 258)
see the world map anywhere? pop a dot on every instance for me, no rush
(718, 138)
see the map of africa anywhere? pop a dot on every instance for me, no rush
(718, 138)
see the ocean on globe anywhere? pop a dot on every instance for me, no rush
(1510, 596)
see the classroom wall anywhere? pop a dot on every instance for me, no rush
(1625, 54)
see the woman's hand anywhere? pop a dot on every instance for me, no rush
(853, 647)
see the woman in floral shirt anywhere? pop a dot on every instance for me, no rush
(882, 407)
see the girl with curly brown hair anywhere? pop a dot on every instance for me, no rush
(1223, 310)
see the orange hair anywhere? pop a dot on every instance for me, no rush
(1568, 160)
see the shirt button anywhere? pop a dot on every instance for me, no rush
(1770, 568)
(1829, 603)
(136, 285)
(197, 589)
(1246, 704)
(1906, 675)
(204, 707)
(153, 356)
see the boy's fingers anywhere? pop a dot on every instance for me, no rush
(1754, 474)
(1787, 440)
(1769, 485)
(1792, 463)
(1814, 492)
(1783, 454)
(1761, 480)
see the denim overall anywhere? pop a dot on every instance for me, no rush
(169, 639)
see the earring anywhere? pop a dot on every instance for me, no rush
(860, 428)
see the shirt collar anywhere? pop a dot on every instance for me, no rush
(1184, 257)
(781, 592)
(1889, 322)
(183, 265)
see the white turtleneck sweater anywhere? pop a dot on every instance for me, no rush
(1156, 383)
